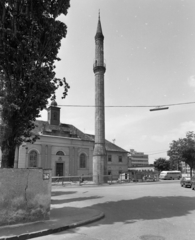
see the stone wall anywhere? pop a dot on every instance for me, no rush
(25, 195)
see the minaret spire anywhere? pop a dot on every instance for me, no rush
(99, 33)
(99, 153)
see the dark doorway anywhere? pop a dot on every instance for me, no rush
(59, 169)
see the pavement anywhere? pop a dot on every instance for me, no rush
(61, 219)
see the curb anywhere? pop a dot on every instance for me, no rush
(54, 230)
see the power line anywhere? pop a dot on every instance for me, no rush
(129, 106)
(156, 153)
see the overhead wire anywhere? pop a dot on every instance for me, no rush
(130, 106)
(133, 106)
(156, 153)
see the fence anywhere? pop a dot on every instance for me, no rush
(84, 179)
(109, 179)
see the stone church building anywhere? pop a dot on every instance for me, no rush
(67, 150)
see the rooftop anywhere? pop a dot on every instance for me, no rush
(62, 130)
(109, 146)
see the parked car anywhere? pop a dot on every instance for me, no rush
(185, 182)
(150, 179)
(193, 182)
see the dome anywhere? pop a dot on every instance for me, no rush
(54, 103)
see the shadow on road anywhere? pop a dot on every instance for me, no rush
(140, 209)
(59, 193)
(145, 208)
(61, 201)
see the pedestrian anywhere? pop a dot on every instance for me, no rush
(81, 180)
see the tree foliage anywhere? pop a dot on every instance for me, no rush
(175, 154)
(30, 38)
(183, 149)
(161, 164)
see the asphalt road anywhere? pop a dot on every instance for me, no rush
(135, 211)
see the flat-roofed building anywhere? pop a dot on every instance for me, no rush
(137, 159)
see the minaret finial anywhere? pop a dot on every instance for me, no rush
(99, 33)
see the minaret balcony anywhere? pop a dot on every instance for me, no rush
(99, 67)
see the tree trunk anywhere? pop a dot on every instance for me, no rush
(191, 172)
(0, 156)
(16, 156)
(7, 157)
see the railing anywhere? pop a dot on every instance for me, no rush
(81, 180)
(96, 64)
(109, 179)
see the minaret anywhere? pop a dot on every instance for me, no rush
(99, 153)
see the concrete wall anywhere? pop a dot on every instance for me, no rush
(24, 195)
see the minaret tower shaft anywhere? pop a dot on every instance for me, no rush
(99, 153)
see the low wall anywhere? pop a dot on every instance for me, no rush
(25, 195)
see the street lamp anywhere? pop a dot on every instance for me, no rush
(159, 108)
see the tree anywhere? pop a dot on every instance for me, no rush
(175, 154)
(30, 38)
(161, 164)
(184, 150)
(175, 165)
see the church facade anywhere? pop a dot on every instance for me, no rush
(67, 150)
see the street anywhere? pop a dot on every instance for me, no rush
(136, 211)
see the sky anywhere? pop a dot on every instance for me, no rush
(149, 50)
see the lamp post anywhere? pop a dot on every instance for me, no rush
(159, 108)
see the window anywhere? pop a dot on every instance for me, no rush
(82, 160)
(60, 153)
(33, 159)
(109, 172)
(109, 158)
(120, 158)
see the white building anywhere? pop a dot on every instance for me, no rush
(137, 159)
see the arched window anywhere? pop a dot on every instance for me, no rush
(60, 153)
(33, 159)
(83, 160)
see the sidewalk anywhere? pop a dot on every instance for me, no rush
(60, 220)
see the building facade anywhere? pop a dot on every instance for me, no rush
(116, 159)
(186, 169)
(137, 159)
(66, 150)
(61, 147)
